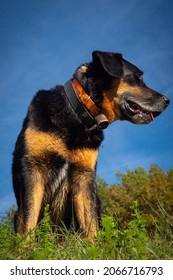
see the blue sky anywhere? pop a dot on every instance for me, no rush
(41, 44)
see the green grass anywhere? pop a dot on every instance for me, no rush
(133, 242)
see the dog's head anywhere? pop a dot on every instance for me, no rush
(118, 89)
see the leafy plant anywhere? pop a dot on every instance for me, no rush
(130, 230)
(135, 236)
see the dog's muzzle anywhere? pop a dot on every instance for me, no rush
(144, 110)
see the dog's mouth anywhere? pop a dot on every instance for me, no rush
(137, 113)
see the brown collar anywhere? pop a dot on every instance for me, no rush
(85, 98)
(84, 106)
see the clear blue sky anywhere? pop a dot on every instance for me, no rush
(43, 41)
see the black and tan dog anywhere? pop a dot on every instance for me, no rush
(57, 149)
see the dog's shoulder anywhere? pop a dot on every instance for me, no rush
(49, 100)
(47, 108)
(50, 112)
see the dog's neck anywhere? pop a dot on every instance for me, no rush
(84, 106)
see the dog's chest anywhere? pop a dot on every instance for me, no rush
(43, 147)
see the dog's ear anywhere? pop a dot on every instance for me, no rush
(111, 62)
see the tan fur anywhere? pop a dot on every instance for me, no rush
(125, 87)
(111, 100)
(110, 104)
(83, 212)
(37, 198)
(83, 204)
(40, 144)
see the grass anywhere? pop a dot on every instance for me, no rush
(133, 242)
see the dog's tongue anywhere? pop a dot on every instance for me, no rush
(151, 116)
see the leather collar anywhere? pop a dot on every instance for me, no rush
(84, 106)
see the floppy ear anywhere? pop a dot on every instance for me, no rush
(111, 62)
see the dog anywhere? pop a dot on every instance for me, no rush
(55, 156)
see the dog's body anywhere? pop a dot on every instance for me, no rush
(56, 152)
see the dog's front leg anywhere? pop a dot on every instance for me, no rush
(85, 199)
(31, 201)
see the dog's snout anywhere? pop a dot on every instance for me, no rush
(165, 100)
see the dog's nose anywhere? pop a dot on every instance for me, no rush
(165, 100)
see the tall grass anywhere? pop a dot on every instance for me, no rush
(112, 242)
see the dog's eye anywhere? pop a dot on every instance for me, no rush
(139, 75)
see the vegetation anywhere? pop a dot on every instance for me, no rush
(137, 224)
